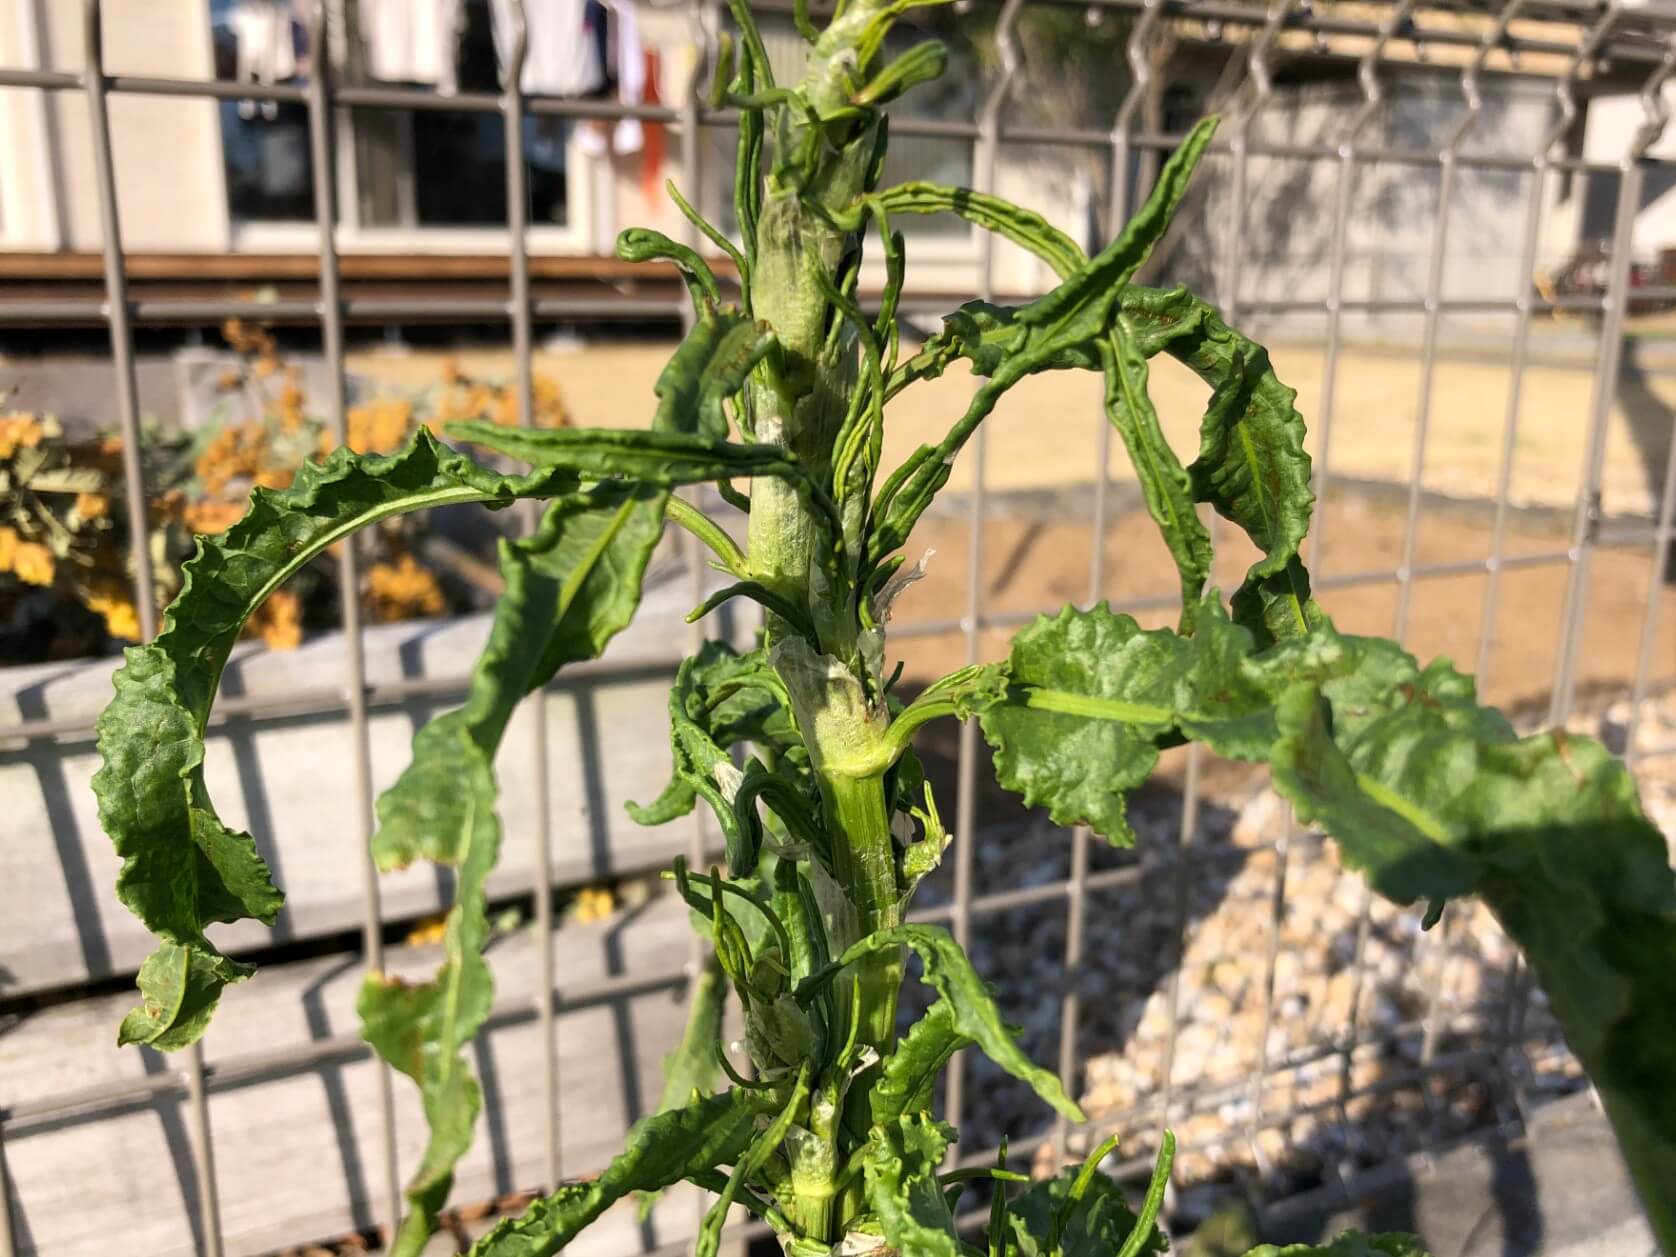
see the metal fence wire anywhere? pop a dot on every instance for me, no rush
(1562, 46)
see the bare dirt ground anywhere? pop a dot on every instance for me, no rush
(1045, 431)
(1030, 565)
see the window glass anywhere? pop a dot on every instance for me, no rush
(410, 168)
(264, 143)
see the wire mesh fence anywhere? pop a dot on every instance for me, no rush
(1330, 115)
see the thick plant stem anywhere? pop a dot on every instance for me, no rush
(864, 864)
(800, 400)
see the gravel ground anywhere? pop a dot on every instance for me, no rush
(1319, 1112)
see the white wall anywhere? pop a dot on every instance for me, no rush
(1285, 239)
(170, 183)
(168, 151)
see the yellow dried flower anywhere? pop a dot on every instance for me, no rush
(550, 410)
(427, 931)
(92, 505)
(121, 619)
(211, 515)
(238, 450)
(289, 409)
(109, 596)
(33, 563)
(402, 590)
(278, 621)
(593, 903)
(19, 432)
(246, 339)
(546, 404)
(379, 427)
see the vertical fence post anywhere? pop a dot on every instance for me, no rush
(1373, 95)
(1586, 516)
(1117, 212)
(1076, 890)
(1541, 163)
(966, 784)
(1656, 581)
(1279, 12)
(518, 312)
(320, 130)
(1448, 160)
(117, 318)
(1367, 76)
(8, 1237)
(1607, 365)
(692, 173)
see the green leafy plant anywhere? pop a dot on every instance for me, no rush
(806, 756)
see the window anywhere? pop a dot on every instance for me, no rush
(264, 144)
(408, 168)
(440, 168)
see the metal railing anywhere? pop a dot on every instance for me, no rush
(1579, 35)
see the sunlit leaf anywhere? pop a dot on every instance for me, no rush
(182, 869)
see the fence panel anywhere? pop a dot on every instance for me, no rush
(1315, 103)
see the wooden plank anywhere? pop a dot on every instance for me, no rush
(297, 1148)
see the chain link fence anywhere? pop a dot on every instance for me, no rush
(1364, 200)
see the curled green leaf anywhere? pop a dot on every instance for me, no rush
(902, 1159)
(920, 64)
(946, 970)
(1093, 695)
(1252, 467)
(662, 1150)
(642, 244)
(1166, 486)
(570, 588)
(1023, 227)
(1062, 328)
(182, 869)
(909, 1075)
(660, 458)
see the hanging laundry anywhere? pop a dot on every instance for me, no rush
(265, 49)
(562, 55)
(626, 71)
(630, 62)
(651, 156)
(413, 41)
